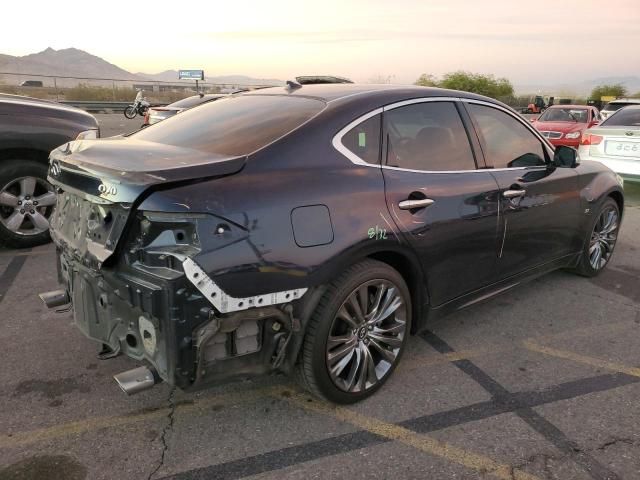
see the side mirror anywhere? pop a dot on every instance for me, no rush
(533, 119)
(565, 157)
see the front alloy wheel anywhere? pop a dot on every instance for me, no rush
(27, 201)
(356, 336)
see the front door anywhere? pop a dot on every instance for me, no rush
(445, 206)
(540, 204)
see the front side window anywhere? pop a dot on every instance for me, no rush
(427, 136)
(506, 142)
(363, 140)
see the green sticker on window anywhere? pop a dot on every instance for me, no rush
(362, 139)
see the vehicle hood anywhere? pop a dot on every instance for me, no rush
(564, 127)
(132, 166)
(19, 105)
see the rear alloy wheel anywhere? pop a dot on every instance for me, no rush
(602, 240)
(357, 335)
(26, 203)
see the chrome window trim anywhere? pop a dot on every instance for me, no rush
(337, 138)
(419, 100)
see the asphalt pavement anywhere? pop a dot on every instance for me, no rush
(539, 383)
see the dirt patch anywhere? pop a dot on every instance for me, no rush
(45, 467)
(51, 389)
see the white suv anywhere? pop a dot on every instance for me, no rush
(616, 105)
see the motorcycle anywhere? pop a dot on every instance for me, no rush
(139, 107)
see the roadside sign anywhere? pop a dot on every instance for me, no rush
(191, 74)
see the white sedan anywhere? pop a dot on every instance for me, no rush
(616, 143)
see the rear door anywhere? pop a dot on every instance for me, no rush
(446, 207)
(539, 204)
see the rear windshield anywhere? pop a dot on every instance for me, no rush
(614, 106)
(235, 125)
(629, 117)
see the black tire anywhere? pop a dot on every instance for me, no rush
(585, 267)
(10, 170)
(312, 373)
(130, 112)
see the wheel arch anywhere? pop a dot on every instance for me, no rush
(413, 276)
(397, 256)
(619, 199)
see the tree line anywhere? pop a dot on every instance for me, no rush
(501, 88)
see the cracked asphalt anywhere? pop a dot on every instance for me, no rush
(539, 383)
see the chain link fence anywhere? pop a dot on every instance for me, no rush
(60, 88)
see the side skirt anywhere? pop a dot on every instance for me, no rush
(490, 291)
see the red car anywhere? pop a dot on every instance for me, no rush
(564, 124)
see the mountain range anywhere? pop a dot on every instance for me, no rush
(72, 62)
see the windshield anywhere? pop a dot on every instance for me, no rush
(627, 117)
(579, 115)
(233, 125)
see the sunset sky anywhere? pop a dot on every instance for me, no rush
(554, 41)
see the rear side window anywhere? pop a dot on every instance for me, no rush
(506, 142)
(427, 136)
(363, 140)
(233, 126)
(628, 117)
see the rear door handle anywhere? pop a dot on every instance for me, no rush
(513, 193)
(413, 204)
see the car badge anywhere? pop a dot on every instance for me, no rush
(107, 189)
(628, 134)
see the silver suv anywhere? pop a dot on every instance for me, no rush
(616, 105)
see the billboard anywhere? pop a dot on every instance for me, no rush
(191, 74)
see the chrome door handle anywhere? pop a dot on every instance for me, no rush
(419, 203)
(513, 193)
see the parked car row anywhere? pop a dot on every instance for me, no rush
(614, 141)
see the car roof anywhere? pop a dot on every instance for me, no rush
(332, 92)
(633, 106)
(633, 101)
(37, 103)
(569, 106)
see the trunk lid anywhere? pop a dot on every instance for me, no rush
(617, 141)
(99, 183)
